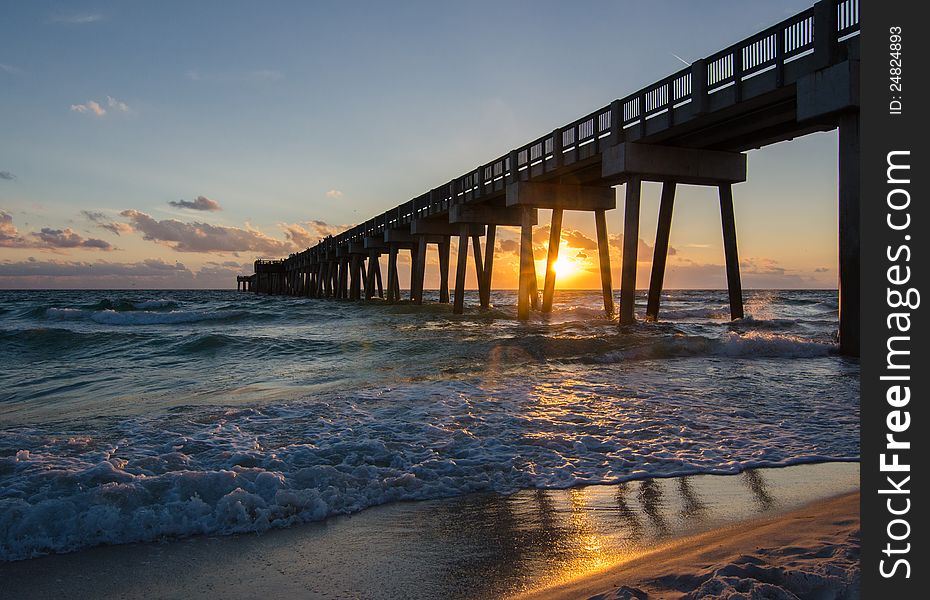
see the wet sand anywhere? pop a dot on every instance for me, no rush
(811, 552)
(554, 543)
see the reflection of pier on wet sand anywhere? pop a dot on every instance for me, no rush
(477, 546)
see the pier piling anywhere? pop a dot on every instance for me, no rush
(660, 251)
(734, 288)
(630, 249)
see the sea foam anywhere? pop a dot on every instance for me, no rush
(198, 470)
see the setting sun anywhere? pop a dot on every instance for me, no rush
(565, 266)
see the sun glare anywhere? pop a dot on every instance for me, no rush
(564, 266)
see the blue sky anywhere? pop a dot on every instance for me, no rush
(319, 115)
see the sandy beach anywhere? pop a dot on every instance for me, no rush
(812, 552)
(658, 536)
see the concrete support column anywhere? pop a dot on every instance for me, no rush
(527, 267)
(555, 238)
(488, 265)
(630, 248)
(734, 287)
(479, 264)
(392, 274)
(370, 276)
(343, 284)
(445, 249)
(396, 283)
(355, 289)
(458, 306)
(416, 286)
(603, 251)
(660, 253)
(849, 233)
(378, 277)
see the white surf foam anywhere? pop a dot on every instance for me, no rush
(222, 471)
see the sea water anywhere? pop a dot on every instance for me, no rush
(155, 415)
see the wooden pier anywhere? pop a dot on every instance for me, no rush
(693, 127)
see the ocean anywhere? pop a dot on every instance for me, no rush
(154, 415)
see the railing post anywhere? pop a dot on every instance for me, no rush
(514, 167)
(556, 148)
(616, 122)
(738, 73)
(824, 33)
(699, 86)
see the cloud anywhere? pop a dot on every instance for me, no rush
(8, 232)
(67, 238)
(305, 235)
(92, 107)
(203, 237)
(644, 251)
(75, 18)
(5, 68)
(7, 176)
(89, 107)
(755, 273)
(575, 239)
(198, 203)
(117, 105)
(334, 194)
(103, 222)
(509, 246)
(761, 266)
(151, 273)
(46, 238)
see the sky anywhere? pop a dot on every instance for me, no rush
(169, 144)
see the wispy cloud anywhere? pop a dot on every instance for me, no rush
(75, 18)
(117, 105)
(104, 222)
(92, 107)
(6, 175)
(198, 203)
(10, 69)
(334, 194)
(89, 107)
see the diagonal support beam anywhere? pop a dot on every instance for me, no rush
(488, 265)
(603, 251)
(734, 286)
(555, 238)
(660, 253)
(458, 306)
